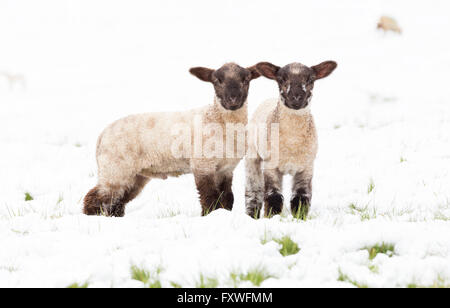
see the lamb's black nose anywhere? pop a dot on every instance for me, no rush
(298, 95)
(233, 99)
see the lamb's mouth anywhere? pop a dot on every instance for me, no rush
(295, 105)
(233, 107)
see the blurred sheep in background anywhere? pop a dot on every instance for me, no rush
(13, 81)
(387, 24)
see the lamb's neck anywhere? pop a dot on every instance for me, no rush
(285, 112)
(230, 116)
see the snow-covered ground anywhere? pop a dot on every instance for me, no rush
(382, 175)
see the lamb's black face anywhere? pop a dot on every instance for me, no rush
(296, 81)
(231, 83)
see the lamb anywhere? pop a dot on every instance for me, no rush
(138, 148)
(297, 141)
(387, 23)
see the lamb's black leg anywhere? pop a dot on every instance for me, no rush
(254, 190)
(226, 193)
(208, 192)
(111, 200)
(301, 195)
(273, 198)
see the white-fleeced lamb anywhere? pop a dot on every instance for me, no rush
(133, 150)
(296, 147)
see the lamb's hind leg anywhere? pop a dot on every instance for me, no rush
(208, 192)
(301, 194)
(273, 182)
(110, 200)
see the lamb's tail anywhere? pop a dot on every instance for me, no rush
(254, 191)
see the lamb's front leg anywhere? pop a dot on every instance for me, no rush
(209, 194)
(301, 194)
(254, 190)
(225, 182)
(273, 181)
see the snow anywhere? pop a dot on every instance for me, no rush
(383, 117)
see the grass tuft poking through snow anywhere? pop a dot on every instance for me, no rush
(76, 285)
(365, 212)
(207, 283)
(371, 187)
(28, 197)
(256, 276)
(345, 278)
(175, 285)
(10, 269)
(374, 269)
(387, 249)
(267, 237)
(149, 279)
(302, 213)
(60, 199)
(288, 246)
(440, 283)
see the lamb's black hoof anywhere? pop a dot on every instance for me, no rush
(300, 207)
(274, 204)
(227, 201)
(254, 212)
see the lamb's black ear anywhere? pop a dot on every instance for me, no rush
(202, 73)
(254, 71)
(268, 70)
(324, 69)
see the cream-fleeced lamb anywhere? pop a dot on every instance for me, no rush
(136, 149)
(296, 149)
